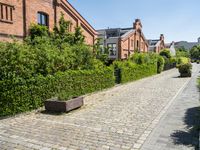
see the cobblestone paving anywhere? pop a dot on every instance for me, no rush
(114, 119)
(175, 129)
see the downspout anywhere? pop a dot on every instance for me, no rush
(24, 19)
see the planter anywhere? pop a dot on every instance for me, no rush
(54, 105)
(186, 75)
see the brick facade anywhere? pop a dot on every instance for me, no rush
(135, 40)
(127, 40)
(16, 17)
(157, 45)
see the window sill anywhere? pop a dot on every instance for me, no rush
(6, 21)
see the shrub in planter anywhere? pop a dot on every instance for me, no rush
(183, 60)
(185, 70)
(160, 64)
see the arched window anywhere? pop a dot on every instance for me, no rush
(43, 19)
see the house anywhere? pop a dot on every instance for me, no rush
(16, 17)
(157, 45)
(187, 45)
(122, 42)
(171, 47)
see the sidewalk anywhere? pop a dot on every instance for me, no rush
(175, 130)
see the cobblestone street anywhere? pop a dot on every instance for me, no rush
(118, 118)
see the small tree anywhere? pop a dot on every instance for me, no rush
(79, 38)
(101, 53)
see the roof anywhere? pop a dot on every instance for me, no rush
(79, 15)
(118, 32)
(114, 32)
(153, 42)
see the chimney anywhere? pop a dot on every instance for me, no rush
(137, 25)
(162, 37)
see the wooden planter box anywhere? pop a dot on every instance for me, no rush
(54, 105)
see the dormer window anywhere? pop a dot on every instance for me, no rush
(43, 19)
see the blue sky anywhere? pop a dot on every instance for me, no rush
(176, 19)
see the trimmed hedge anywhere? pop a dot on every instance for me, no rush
(160, 64)
(24, 95)
(131, 72)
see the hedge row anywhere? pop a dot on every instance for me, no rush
(24, 95)
(132, 72)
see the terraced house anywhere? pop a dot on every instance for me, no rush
(122, 42)
(16, 17)
(157, 45)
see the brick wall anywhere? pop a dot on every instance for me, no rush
(53, 8)
(127, 47)
(10, 26)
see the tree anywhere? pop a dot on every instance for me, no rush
(182, 52)
(101, 53)
(195, 52)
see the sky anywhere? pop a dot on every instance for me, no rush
(178, 20)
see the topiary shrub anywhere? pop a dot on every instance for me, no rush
(160, 64)
(185, 70)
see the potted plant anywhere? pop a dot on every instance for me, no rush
(185, 70)
(63, 103)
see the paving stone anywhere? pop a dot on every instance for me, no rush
(173, 131)
(112, 119)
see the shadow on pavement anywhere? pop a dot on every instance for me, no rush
(190, 136)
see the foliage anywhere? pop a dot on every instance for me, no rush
(160, 64)
(195, 52)
(165, 53)
(143, 58)
(38, 31)
(183, 60)
(19, 95)
(182, 52)
(25, 60)
(138, 66)
(185, 70)
(139, 58)
(101, 53)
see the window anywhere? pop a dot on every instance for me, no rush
(6, 13)
(132, 43)
(112, 49)
(137, 44)
(43, 19)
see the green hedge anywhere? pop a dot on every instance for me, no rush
(131, 72)
(24, 95)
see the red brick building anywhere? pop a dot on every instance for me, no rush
(157, 45)
(122, 42)
(17, 15)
